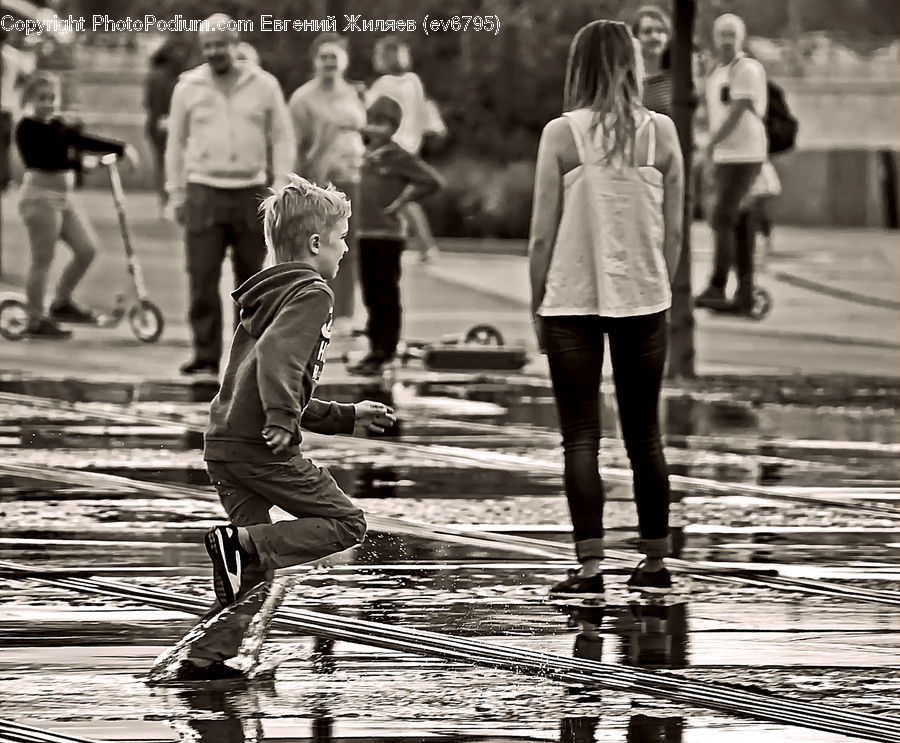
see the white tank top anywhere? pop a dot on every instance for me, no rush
(608, 255)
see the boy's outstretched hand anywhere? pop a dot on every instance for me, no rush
(372, 416)
(278, 439)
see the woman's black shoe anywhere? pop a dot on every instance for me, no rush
(657, 581)
(576, 586)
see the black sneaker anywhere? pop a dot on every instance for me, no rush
(197, 366)
(71, 313)
(370, 366)
(43, 327)
(657, 581)
(229, 560)
(217, 671)
(711, 298)
(576, 586)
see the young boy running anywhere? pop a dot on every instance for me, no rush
(391, 178)
(252, 442)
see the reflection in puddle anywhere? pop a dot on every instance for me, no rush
(52, 642)
(652, 634)
(641, 729)
(707, 436)
(236, 717)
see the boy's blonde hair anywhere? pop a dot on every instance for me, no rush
(297, 211)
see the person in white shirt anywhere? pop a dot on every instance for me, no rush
(16, 69)
(247, 53)
(736, 99)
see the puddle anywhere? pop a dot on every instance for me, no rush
(73, 662)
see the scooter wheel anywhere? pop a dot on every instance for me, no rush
(762, 303)
(146, 321)
(484, 335)
(13, 319)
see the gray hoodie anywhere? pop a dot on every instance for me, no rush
(275, 362)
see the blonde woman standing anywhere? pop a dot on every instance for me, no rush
(604, 246)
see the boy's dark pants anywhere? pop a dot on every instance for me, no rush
(379, 270)
(217, 218)
(326, 521)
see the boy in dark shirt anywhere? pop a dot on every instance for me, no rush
(252, 442)
(391, 178)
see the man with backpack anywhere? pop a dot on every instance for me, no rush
(737, 101)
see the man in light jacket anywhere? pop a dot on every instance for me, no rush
(230, 134)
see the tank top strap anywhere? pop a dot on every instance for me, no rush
(577, 134)
(649, 122)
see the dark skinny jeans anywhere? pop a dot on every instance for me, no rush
(574, 347)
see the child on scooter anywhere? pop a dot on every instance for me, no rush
(50, 149)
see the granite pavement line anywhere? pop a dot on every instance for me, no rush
(722, 697)
(473, 537)
(13, 732)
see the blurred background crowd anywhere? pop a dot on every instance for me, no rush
(838, 62)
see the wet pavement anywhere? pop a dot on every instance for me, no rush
(799, 478)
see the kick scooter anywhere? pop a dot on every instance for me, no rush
(144, 317)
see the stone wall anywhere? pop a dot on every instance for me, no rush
(838, 187)
(845, 114)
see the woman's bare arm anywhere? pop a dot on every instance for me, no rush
(546, 209)
(671, 163)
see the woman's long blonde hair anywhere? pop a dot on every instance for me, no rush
(603, 74)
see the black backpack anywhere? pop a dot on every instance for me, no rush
(781, 125)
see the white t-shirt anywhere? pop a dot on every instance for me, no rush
(408, 91)
(16, 64)
(743, 78)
